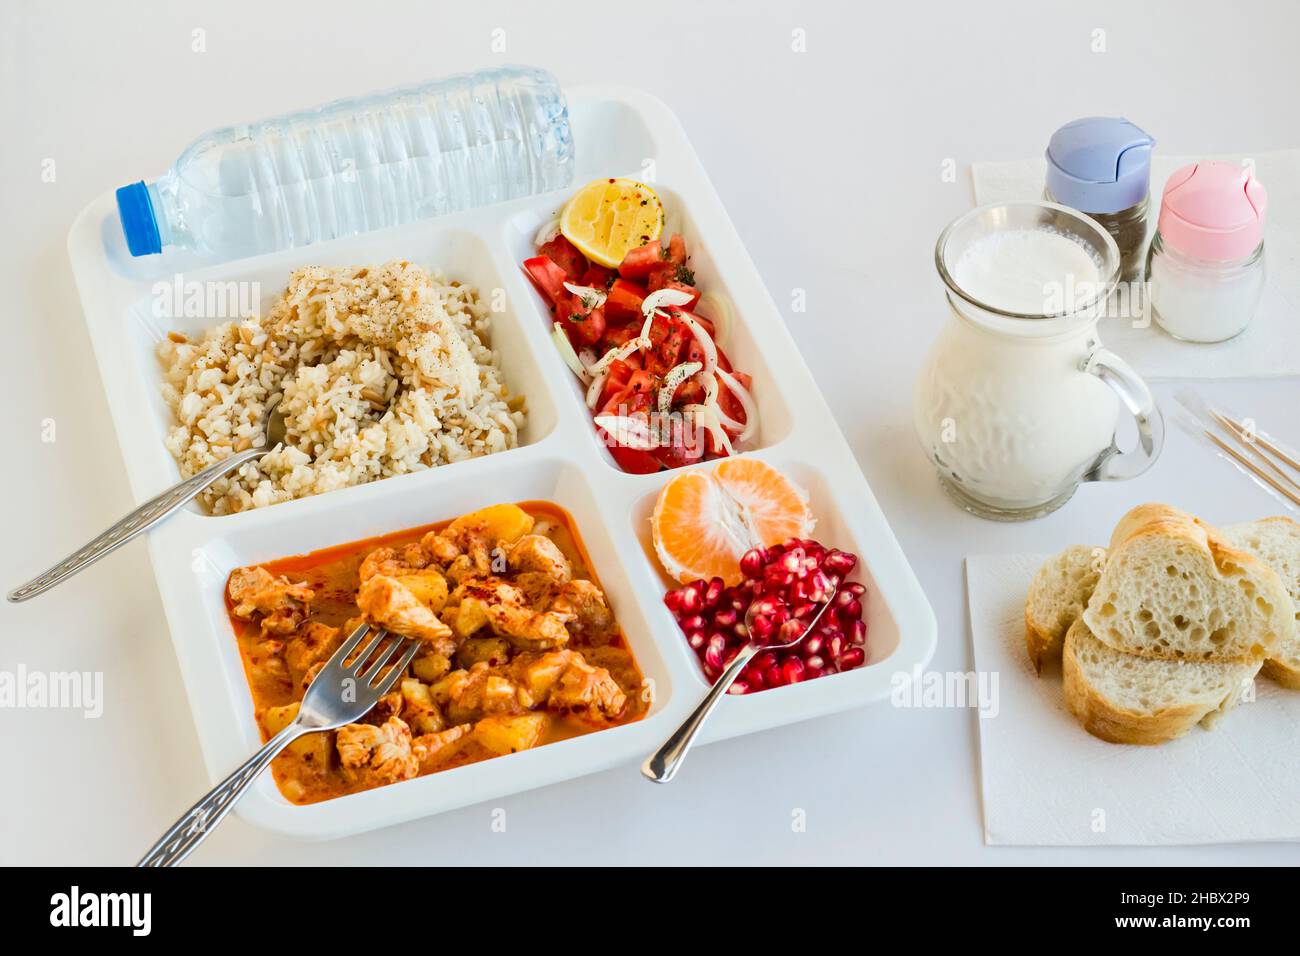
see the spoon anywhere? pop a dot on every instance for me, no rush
(662, 765)
(152, 512)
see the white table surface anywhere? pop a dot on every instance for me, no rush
(831, 164)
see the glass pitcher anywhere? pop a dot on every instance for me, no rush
(1016, 409)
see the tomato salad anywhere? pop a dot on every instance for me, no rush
(661, 389)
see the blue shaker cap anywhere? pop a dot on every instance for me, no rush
(1099, 164)
(139, 225)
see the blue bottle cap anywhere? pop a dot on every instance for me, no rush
(1099, 164)
(135, 209)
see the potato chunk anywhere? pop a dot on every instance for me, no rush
(506, 523)
(507, 734)
(493, 650)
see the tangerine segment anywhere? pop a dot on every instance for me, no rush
(696, 532)
(777, 509)
(704, 522)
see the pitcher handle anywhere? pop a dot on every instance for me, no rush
(1137, 398)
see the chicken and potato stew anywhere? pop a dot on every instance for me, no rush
(520, 647)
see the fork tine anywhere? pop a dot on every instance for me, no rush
(365, 652)
(353, 640)
(383, 659)
(398, 668)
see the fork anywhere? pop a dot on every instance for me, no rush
(152, 512)
(341, 693)
(662, 765)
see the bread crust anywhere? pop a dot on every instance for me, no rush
(1038, 643)
(1111, 722)
(1161, 520)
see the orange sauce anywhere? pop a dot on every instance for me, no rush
(307, 774)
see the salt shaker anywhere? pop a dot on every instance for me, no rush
(1101, 166)
(1205, 271)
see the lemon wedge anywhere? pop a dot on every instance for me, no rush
(608, 218)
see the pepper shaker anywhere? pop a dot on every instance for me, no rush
(1101, 166)
(1205, 271)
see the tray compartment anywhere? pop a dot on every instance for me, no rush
(774, 418)
(457, 251)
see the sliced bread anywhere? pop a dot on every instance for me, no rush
(1127, 699)
(1174, 588)
(1276, 542)
(1057, 596)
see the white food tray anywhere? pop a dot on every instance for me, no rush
(560, 459)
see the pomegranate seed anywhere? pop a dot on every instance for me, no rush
(792, 561)
(815, 662)
(730, 656)
(765, 606)
(725, 618)
(717, 641)
(790, 632)
(673, 601)
(840, 562)
(752, 562)
(853, 657)
(856, 589)
(713, 592)
(696, 639)
(711, 673)
(777, 575)
(819, 585)
(858, 632)
(713, 658)
(850, 611)
(812, 673)
(690, 600)
(761, 627)
(835, 646)
(738, 687)
(811, 646)
(773, 677)
(792, 670)
(694, 622)
(805, 611)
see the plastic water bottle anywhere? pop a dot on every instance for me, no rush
(356, 165)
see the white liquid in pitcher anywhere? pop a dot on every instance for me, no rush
(1030, 271)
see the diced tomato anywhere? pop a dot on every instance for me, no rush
(547, 276)
(690, 392)
(668, 338)
(565, 255)
(634, 461)
(583, 327)
(598, 276)
(724, 363)
(639, 261)
(624, 302)
(676, 253)
(617, 335)
(685, 446)
(635, 396)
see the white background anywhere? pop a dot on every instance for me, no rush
(829, 162)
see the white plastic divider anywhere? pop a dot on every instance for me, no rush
(561, 460)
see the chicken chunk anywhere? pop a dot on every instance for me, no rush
(501, 605)
(313, 645)
(390, 604)
(559, 681)
(281, 603)
(394, 562)
(584, 604)
(373, 756)
(432, 751)
(538, 553)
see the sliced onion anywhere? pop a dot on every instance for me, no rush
(629, 432)
(588, 358)
(548, 232)
(650, 305)
(617, 353)
(592, 298)
(746, 400)
(704, 414)
(675, 376)
(706, 344)
(595, 388)
(566, 351)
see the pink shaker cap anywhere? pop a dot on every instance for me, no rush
(1213, 211)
